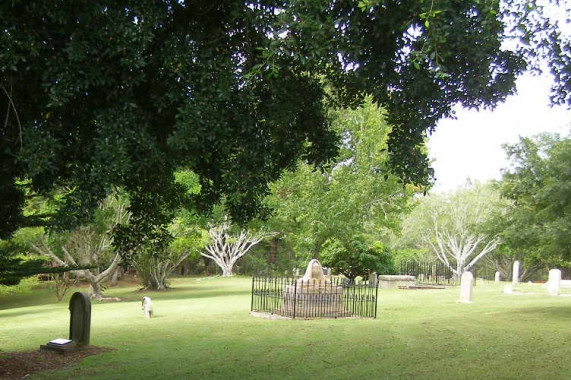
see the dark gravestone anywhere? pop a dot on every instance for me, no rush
(80, 319)
(79, 325)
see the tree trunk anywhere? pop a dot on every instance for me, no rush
(184, 268)
(95, 290)
(459, 269)
(116, 276)
(273, 251)
(227, 271)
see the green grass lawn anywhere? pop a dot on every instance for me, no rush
(202, 329)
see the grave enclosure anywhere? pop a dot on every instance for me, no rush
(313, 296)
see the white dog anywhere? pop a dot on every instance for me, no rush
(147, 307)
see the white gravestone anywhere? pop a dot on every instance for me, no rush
(508, 289)
(466, 286)
(554, 282)
(497, 277)
(373, 278)
(147, 307)
(515, 274)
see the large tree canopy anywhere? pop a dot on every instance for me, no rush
(453, 226)
(359, 198)
(100, 94)
(538, 225)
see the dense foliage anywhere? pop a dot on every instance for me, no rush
(454, 227)
(359, 197)
(357, 258)
(97, 95)
(14, 267)
(537, 228)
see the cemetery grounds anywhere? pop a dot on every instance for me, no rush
(202, 329)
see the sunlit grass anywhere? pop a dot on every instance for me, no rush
(202, 329)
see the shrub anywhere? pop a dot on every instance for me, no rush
(356, 258)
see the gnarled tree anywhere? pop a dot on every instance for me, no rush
(454, 226)
(91, 245)
(154, 266)
(226, 248)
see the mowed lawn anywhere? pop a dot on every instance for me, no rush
(202, 329)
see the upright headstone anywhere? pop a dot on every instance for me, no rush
(147, 307)
(79, 326)
(373, 278)
(466, 285)
(508, 289)
(515, 273)
(80, 319)
(497, 277)
(554, 282)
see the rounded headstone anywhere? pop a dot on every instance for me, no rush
(466, 286)
(554, 282)
(80, 318)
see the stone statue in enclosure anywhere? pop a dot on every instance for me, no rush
(313, 273)
(313, 295)
(79, 325)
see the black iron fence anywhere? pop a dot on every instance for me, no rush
(295, 298)
(431, 273)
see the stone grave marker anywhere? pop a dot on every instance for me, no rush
(373, 278)
(466, 286)
(79, 325)
(80, 318)
(554, 282)
(515, 274)
(497, 277)
(147, 307)
(313, 296)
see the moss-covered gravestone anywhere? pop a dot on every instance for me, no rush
(79, 325)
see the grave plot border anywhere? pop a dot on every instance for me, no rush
(336, 298)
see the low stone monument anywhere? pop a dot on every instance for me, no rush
(515, 272)
(79, 325)
(554, 282)
(147, 307)
(497, 277)
(313, 295)
(388, 281)
(508, 289)
(466, 287)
